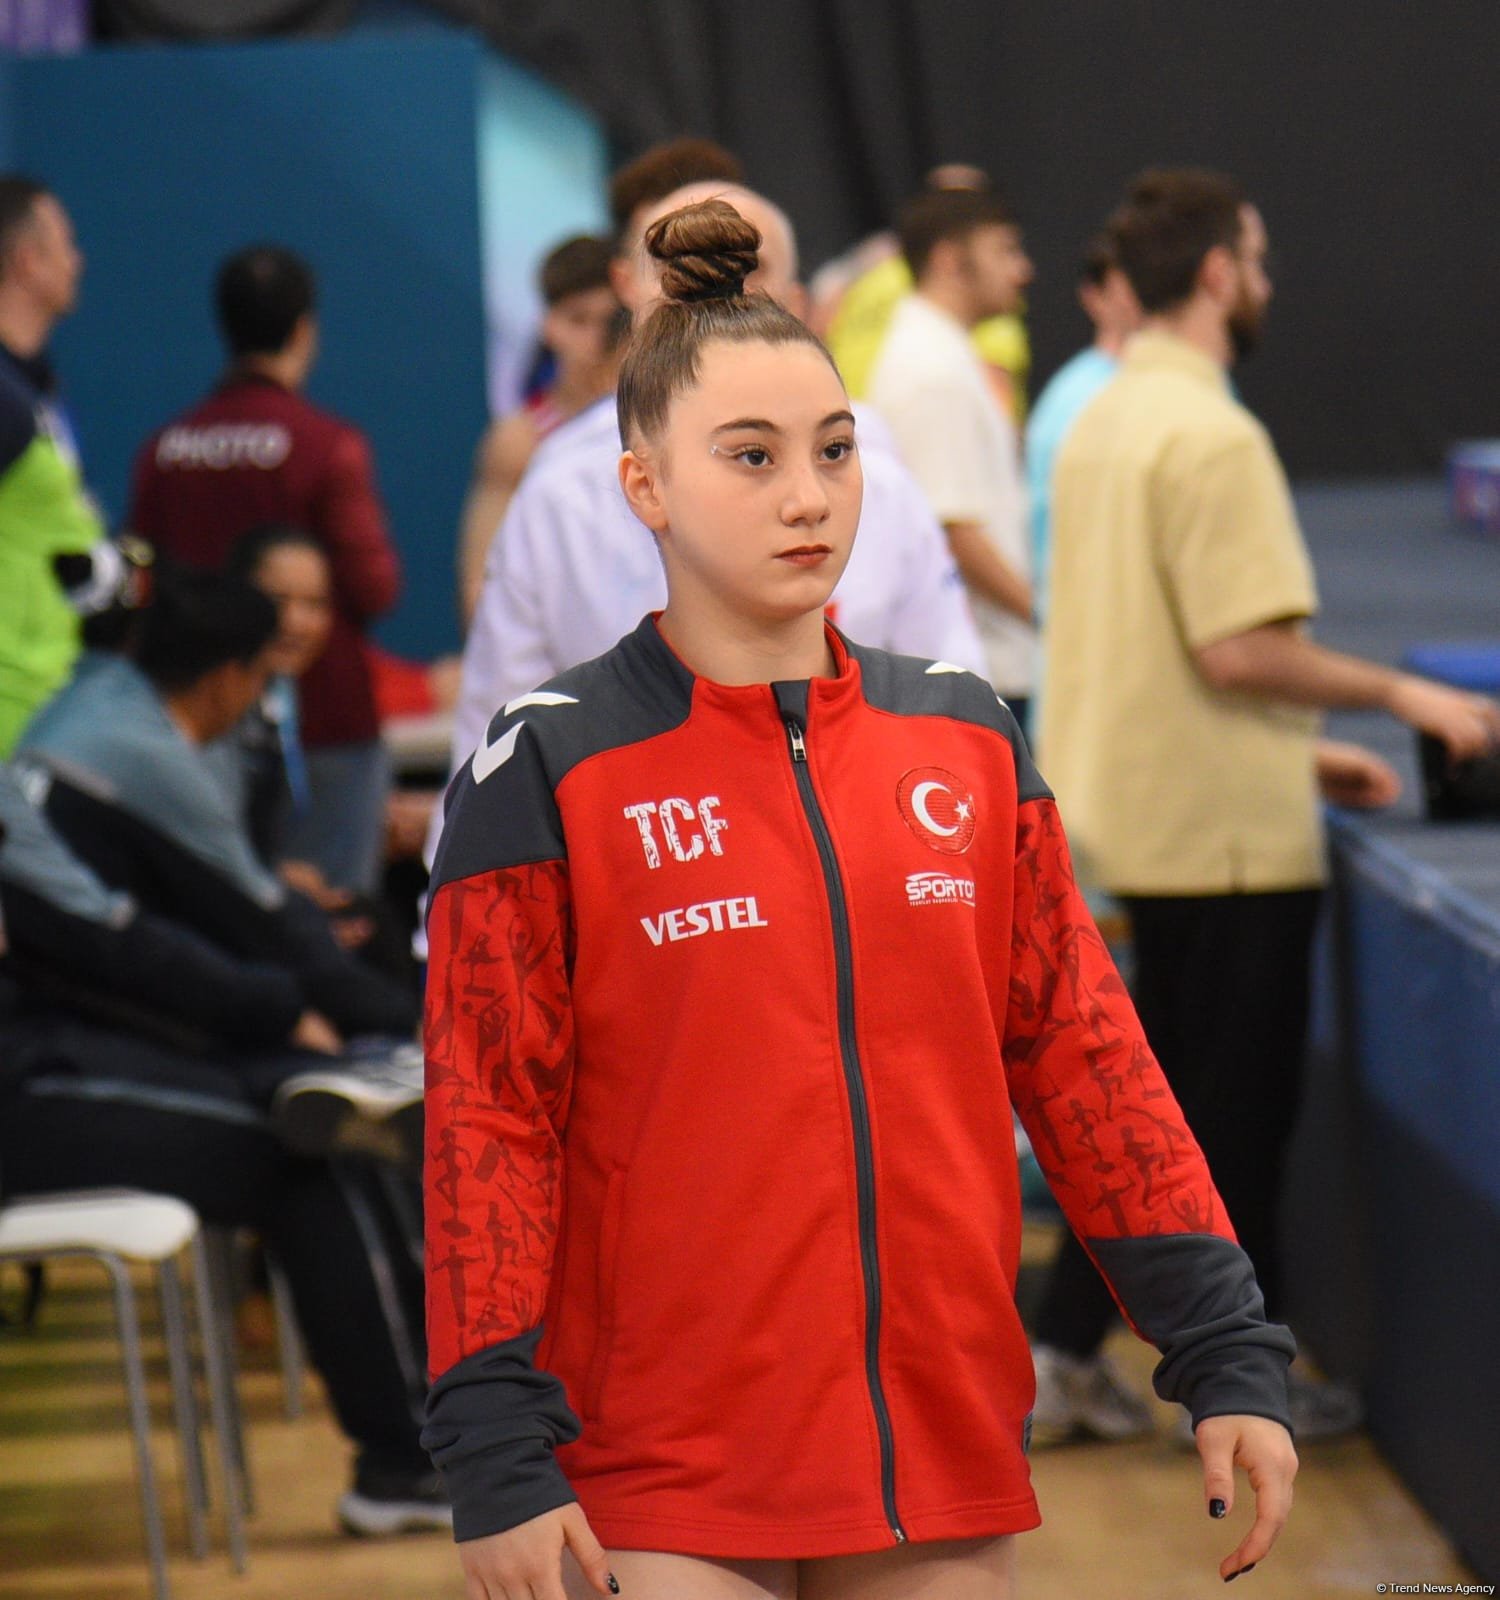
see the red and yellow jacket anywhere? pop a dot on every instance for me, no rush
(731, 993)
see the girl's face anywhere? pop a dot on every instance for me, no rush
(753, 489)
(296, 577)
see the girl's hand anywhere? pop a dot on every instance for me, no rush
(525, 1562)
(1264, 1449)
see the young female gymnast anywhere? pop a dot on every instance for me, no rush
(745, 939)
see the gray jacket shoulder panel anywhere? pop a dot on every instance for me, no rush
(501, 808)
(907, 686)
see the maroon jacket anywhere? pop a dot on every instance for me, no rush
(254, 452)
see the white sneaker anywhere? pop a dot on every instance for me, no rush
(380, 1504)
(1084, 1396)
(369, 1106)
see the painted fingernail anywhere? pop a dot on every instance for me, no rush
(1217, 1508)
(614, 1584)
(1240, 1572)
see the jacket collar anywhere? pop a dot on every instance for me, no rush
(664, 672)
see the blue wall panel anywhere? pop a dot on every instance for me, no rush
(543, 170)
(362, 154)
(7, 99)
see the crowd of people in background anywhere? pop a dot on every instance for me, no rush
(203, 986)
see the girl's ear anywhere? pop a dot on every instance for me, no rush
(640, 480)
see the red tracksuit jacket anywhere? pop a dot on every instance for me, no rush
(731, 992)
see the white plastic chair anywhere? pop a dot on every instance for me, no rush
(115, 1227)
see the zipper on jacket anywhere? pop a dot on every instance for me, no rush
(791, 701)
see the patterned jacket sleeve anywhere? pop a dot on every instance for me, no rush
(499, 1045)
(1116, 1151)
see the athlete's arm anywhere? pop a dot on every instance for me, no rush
(499, 1043)
(1278, 661)
(1116, 1151)
(1130, 1177)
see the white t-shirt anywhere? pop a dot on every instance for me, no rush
(930, 386)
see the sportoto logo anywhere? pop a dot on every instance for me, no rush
(938, 808)
(938, 889)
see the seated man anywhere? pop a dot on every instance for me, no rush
(133, 1052)
(118, 761)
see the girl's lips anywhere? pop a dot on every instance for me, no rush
(806, 555)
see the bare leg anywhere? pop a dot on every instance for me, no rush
(944, 1569)
(655, 1575)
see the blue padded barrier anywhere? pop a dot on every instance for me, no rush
(1468, 665)
(1394, 1191)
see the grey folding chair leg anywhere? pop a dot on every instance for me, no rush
(140, 1418)
(223, 1403)
(288, 1339)
(184, 1405)
(218, 1253)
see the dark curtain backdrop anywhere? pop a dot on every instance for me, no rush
(1365, 128)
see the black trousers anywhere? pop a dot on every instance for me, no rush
(1222, 985)
(91, 1107)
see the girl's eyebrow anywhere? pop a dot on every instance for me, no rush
(762, 425)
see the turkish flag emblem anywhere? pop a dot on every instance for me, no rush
(938, 808)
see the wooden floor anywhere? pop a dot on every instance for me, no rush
(1123, 1522)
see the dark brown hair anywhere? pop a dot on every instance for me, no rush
(937, 215)
(261, 294)
(1171, 219)
(574, 267)
(1100, 258)
(18, 198)
(707, 251)
(250, 550)
(663, 170)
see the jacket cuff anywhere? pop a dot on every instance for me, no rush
(505, 1487)
(493, 1424)
(1194, 1296)
(1244, 1381)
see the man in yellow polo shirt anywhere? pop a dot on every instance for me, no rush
(1179, 732)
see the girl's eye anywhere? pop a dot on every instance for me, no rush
(753, 455)
(838, 449)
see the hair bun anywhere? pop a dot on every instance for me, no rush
(706, 251)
